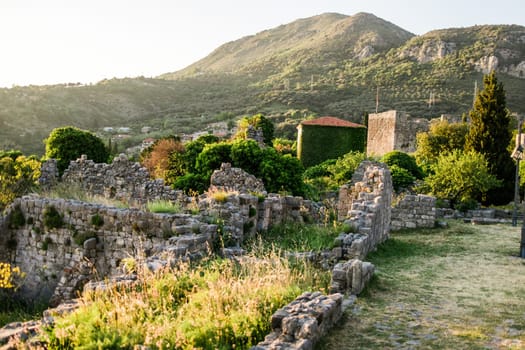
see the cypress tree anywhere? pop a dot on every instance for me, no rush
(490, 134)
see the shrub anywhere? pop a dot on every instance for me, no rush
(460, 177)
(401, 177)
(345, 166)
(156, 158)
(52, 218)
(10, 276)
(192, 183)
(403, 160)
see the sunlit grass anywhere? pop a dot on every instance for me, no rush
(219, 304)
(75, 192)
(164, 206)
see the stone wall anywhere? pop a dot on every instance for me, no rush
(301, 324)
(414, 211)
(92, 241)
(122, 180)
(242, 215)
(235, 179)
(393, 130)
(351, 276)
(365, 206)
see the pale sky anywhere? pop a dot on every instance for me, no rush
(60, 41)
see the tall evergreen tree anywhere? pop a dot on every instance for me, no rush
(490, 134)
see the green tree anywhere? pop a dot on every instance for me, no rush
(211, 158)
(281, 172)
(69, 143)
(345, 166)
(460, 177)
(247, 155)
(442, 137)
(490, 134)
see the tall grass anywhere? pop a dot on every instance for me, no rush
(298, 237)
(219, 304)
(164, 206)
(74, 191)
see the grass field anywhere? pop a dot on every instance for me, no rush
(462, 287)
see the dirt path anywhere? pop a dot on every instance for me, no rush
(457, 288)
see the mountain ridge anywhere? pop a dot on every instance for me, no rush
(329, 64)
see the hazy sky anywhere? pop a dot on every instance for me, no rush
(59, 41)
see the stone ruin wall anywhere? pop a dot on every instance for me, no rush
(56, 265)
(365, 205)
(393, 130)
(414, 211)
(122, 180)
(65, 266)
(131, 232)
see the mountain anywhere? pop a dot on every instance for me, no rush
(328, 64)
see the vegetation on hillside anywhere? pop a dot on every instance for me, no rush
(329, 64)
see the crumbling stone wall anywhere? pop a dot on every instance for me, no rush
(242, 215)
(414, 211)
(300, 324)
(351, 276)
(84, 247)
(393, 130)
(235, 179)
(365, 206)
(121, 180)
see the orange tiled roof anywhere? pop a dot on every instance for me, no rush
(332, 121)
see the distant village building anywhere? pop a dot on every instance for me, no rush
(147, 142)
(393, 130)
(124, 130)
(145, 129)
(328, 138)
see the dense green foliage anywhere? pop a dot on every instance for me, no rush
(461, 177)
(331, 174)
(194, 167)
(403, 160)
(18, 174)
(442, 137)
(403, 168)
(69, 143)
(401, 178)
(490, 134)
(318, 143)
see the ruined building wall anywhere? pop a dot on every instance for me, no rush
(365, 205)
(393, 130)
(414, 211)
(92, 240)
(122, 180)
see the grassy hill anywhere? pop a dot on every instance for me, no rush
(329, 64)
